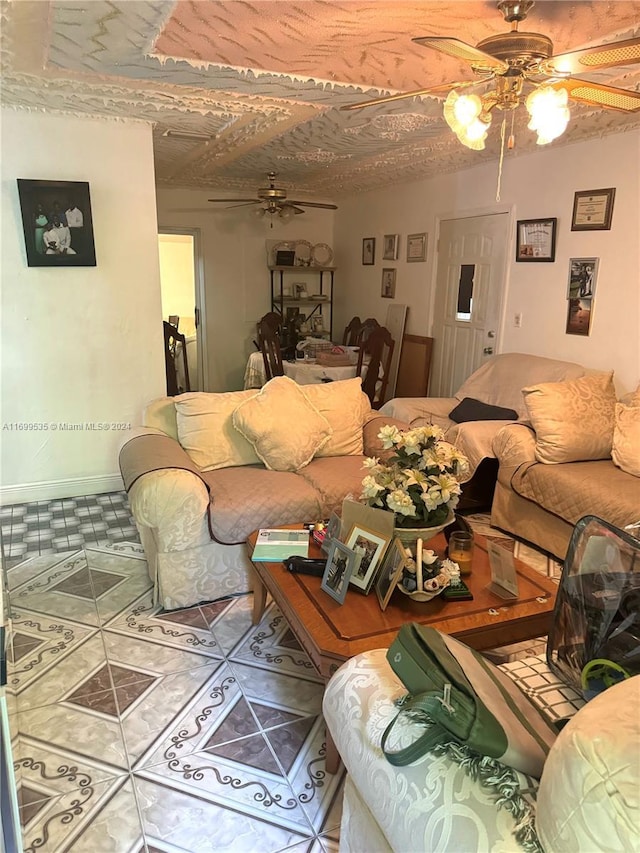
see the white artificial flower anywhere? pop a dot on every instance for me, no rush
(388, 435)
(371, 462)
(429, 557)
(400, 502)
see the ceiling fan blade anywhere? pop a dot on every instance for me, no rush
(599, 95)
(416, 93)
(295, 209)
(314, 204)
(243, 200)
(461, 50)
(609, 55)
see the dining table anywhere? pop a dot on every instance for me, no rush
(303, 371)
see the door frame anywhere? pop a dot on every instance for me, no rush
(200, 297)
(509, 209)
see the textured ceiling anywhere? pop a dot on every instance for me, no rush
(264, 80)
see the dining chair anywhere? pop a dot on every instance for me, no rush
(269, 341)
(365, 330)
(375, 357)
(175, 346)
(352, 329)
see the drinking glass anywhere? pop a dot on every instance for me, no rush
(461, 550)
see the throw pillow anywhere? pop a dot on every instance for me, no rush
(626, 438)
(345, 406)
(475, 410)
(206, 432)
(573, 421)
(285, 429)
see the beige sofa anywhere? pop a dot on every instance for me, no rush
(198, 484)
(559, 466)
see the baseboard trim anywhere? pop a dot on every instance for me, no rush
(53, 489)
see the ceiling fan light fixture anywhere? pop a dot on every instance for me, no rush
(460, 111)
(549, 113)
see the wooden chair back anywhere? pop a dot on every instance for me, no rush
(172, 351)
(269, 342)
(351, 332)
(375, 356)
(365, 330)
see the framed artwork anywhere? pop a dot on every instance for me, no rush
(57, 223)
(579, 313)
(536, 240)
(390, 573)
(388, 284)
(390, 247)
(416, 248)
(593, 210)
(369, 251)
(332, 531)
(370, 548)
(340, 564)
(583, 273)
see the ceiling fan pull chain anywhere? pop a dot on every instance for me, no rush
(511, 143)
(503, 128)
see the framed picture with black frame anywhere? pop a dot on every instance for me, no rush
(536, 240)
(368, 251)
(57, 223)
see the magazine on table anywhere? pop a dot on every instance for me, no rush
(274, 545)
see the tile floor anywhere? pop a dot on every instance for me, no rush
(139, 730)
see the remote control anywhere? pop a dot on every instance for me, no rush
(305, 566)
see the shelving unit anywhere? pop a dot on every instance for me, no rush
(313, 277)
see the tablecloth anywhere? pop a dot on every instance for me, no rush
(302, 372)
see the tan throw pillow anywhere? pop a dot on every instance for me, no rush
(285, 429)
(626, 438)
(206, 432)
(573, 421)
(345, 406)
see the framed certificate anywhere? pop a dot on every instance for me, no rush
(416, 248)
(593, 210)
(536, 240)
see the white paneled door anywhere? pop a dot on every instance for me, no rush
(470, 280)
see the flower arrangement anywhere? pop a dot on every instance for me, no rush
(437, 574)
(420, 482)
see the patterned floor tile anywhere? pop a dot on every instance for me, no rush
(233, 624)
(275, 690)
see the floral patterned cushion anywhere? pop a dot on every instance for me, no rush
(626, 435)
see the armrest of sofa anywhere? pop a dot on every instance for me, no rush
(515, 445)
(424, 410)
(152, 450)
(372, 444)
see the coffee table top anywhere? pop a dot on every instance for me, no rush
(342, 631)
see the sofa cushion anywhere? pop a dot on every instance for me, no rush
(333, 479)
(346, 407)
(575, 489)
(573, 420)
(205, 429)
(475, 410)
(284, 427)
(244, 499)
(589, 796)
(626, 438)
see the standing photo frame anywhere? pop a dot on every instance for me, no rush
(536, 240)
(593, 210)
(370, 548)
(390, 247)
(337, 574)
(57, 223)
(390, 573)
(331, 531)
(368, 251)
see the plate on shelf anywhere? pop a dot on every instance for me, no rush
(303, 252)
(322, 255)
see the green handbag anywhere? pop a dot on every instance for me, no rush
(465, 699)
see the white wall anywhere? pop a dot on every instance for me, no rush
(177, 281)
(78, 345)
(235, 271)
(537, 185)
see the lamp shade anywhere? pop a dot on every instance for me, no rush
(549, 113)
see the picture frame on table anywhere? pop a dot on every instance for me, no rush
(416, 248)
(388, 290)
(368, 251)
(536, 240)
(370, 549)
(340, 565)
(390, 572)
(57, 223)
(390, 246)
(331, 531)
(593, 210)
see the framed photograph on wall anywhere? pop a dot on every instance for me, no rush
(593, 210)
(57, 223)
(416, 248)
(390, 247)
(579, 312)
(536, 240)
(370, 548)
(583, 273)
(368, 251)
(340, 564)
(388, 284)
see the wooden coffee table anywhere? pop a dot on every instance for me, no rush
(330, 633)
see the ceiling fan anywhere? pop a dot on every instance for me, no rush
(273, 202)
(514, 63)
